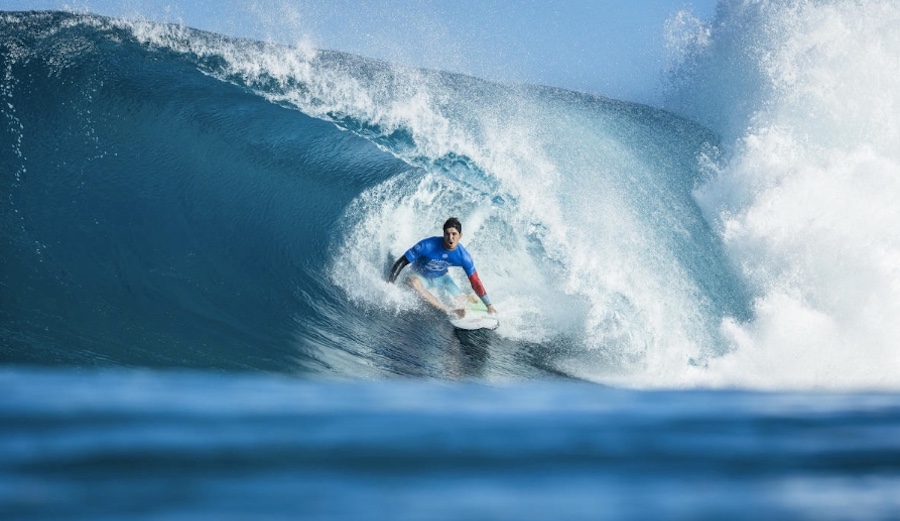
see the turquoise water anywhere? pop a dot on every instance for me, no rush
(697, 304)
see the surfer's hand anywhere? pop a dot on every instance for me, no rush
(492, 310)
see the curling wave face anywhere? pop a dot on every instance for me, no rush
(181, 198)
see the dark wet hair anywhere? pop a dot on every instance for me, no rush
(453, 222)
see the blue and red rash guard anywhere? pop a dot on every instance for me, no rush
(429, 259)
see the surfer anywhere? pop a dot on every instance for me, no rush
(430, 259)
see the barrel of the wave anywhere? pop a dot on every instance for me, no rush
(431, 258)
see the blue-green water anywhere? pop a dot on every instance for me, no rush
(194, 321)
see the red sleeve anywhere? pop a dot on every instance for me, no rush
(477, 285)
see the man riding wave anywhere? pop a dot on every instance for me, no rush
(430, 259)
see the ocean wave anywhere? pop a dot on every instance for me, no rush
(184, 198)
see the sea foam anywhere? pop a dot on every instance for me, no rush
(805, 194)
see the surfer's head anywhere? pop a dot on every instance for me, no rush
(452, 233)
(453, 222)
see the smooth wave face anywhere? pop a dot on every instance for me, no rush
(184, 198)
(156, 216)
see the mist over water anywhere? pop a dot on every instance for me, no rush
(805, 97)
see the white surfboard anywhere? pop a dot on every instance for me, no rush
(476, 317)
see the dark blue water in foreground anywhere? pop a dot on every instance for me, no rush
(180, 445)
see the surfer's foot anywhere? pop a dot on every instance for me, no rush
(460, 313)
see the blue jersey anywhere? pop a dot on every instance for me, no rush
(430, 259)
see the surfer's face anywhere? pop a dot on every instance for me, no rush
(451, 238)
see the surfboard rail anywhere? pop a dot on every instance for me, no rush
(476, 317)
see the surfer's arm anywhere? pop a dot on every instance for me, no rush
(478, 287)
(397, 268)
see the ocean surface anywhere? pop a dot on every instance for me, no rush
(698, 301)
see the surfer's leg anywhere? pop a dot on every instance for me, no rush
(419, 285)
(448, 286)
